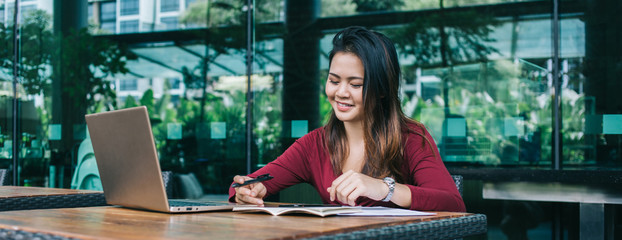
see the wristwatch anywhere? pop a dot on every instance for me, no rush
(391, 184)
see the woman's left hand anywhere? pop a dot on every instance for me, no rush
(351, 185)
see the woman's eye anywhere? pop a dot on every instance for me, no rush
(357, 85)
(333, 82)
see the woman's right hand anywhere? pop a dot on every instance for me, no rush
(249, 194)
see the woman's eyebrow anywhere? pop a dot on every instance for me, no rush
(334, 75)
(349, 78)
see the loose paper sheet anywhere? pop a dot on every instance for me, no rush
(385, 211)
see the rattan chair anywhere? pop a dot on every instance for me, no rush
(458, 180)
(168, 179)
(67, 201)
(48, 201)
(4, 177)
(10, 233)
(52, 201)
(440, 229)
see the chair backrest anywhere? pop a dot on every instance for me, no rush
(458, 181)
(187, 186)
(167, 177)
(86, 175)
(4, 177)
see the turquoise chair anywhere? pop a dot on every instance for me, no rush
(86, 175)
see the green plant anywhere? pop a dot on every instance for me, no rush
(86, 65)
(495, 92)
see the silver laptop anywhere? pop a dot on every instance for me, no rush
(128, 163)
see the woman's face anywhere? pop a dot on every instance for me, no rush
(344, 86)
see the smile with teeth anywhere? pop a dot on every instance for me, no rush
(344, 104)
(343, 107)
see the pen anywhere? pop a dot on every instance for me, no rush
(259, 178)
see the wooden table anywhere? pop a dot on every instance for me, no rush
(20, 198)
(121, 223)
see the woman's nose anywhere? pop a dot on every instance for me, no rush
(342, 91)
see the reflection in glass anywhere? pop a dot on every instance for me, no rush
(129, 26)
(482, 86)
(169, 5)
(129, 7)
(169, 23)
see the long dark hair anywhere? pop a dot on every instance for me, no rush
(384, 120)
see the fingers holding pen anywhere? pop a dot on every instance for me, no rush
(249, 194)
(247, 199)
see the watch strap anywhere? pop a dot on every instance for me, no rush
(391, 184)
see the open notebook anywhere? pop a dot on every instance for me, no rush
(128, 163)
(318, 211)
(323, 211)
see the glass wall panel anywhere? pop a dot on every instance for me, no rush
(6, 121)
(7, 95)
(196, 96)
(30, 133)
(483, 87)
(589, 64)
(6, 89)
(267, 99)
(267, 82)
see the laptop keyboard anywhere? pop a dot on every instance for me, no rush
(179, 203)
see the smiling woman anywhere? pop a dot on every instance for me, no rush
(344, 87)
(369, 153)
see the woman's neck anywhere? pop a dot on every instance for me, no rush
(356, 147)
(354, 131)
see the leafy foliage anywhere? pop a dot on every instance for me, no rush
(467, 39)
(209, 13)
(495, 92)
(36, 52)
(337, 8)
(374, 5)
(86, 65)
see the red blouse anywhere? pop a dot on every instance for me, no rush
(307, 160)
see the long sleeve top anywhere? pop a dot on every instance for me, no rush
(307, 160)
